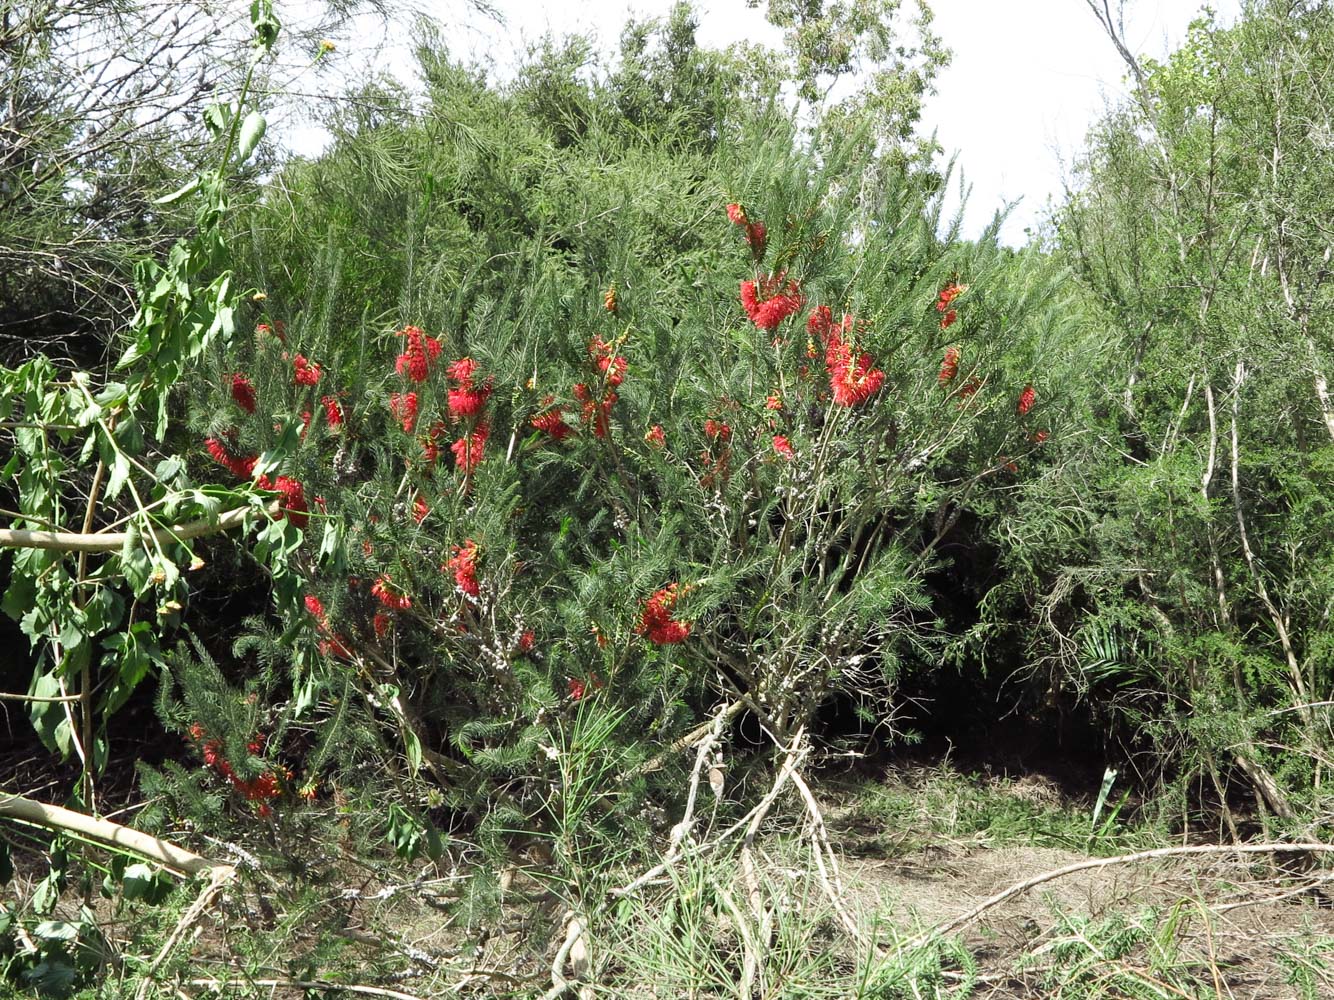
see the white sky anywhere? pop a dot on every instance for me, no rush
(1027, 79)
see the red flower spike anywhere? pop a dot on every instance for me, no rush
(305, 372)
(949, 367)
(656, 437)
(526, 641)
(333, 411)
(784, 447)
(383, 591)
(403, 407)
(463, 565)
(243, 392)
(414, 363)
(656, 622)
(1026, 400)
(736, 214)
(852, 380)
(469, 450)
(552, 422)
(771, 300)
(420, 510)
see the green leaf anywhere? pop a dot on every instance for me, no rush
(120, 474)
(20, 597)
(252, 131)
(181, 192)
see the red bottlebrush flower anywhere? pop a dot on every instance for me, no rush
(467, 402)
(243, 392)
(420, 509)
(462, 371)
(579, 687)
(552, 422)
(784, 447)
(384, 592)
(948, 319)
(526, 641)
(968, 389)
(1040, 437)
(431, 442)
(263, 330)
(820, 322)
(609, 302)
(736, 214)
(470, 449)
(949, 367)
(612, 366)
(213, 753)
(656, 622)
(948, 294)
(466, 399)
(852, 380)
(316, 608)
(758, 238)
(773, 403)
(196, 731)
(463, 564)
(293, 499)
(335, 646)
(596, 413)
(241, 466)
(381, 622)
(415, 362)
(333, 411)
(717, 430)
(1026, 400)
(771, 300)
(403, 407)
(305, 372)
(256, 745)
(656, 437)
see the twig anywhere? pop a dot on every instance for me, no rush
(949, 926)
(574, 930)
(819, 846)
(688, 740)
(682, 829)
(795, 757)
(220, 876)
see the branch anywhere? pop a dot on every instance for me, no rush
(954, 924)
(112, 541)
(103, 830)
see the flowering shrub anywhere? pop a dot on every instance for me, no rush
(549, 486)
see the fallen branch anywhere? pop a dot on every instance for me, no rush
(218, 878)
(218, 985)
(106, 832)
(1212, 850)
(114, 541)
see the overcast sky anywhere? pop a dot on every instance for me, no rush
(1027, 79)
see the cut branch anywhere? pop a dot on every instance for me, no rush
(113, 541)
(106, 832)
